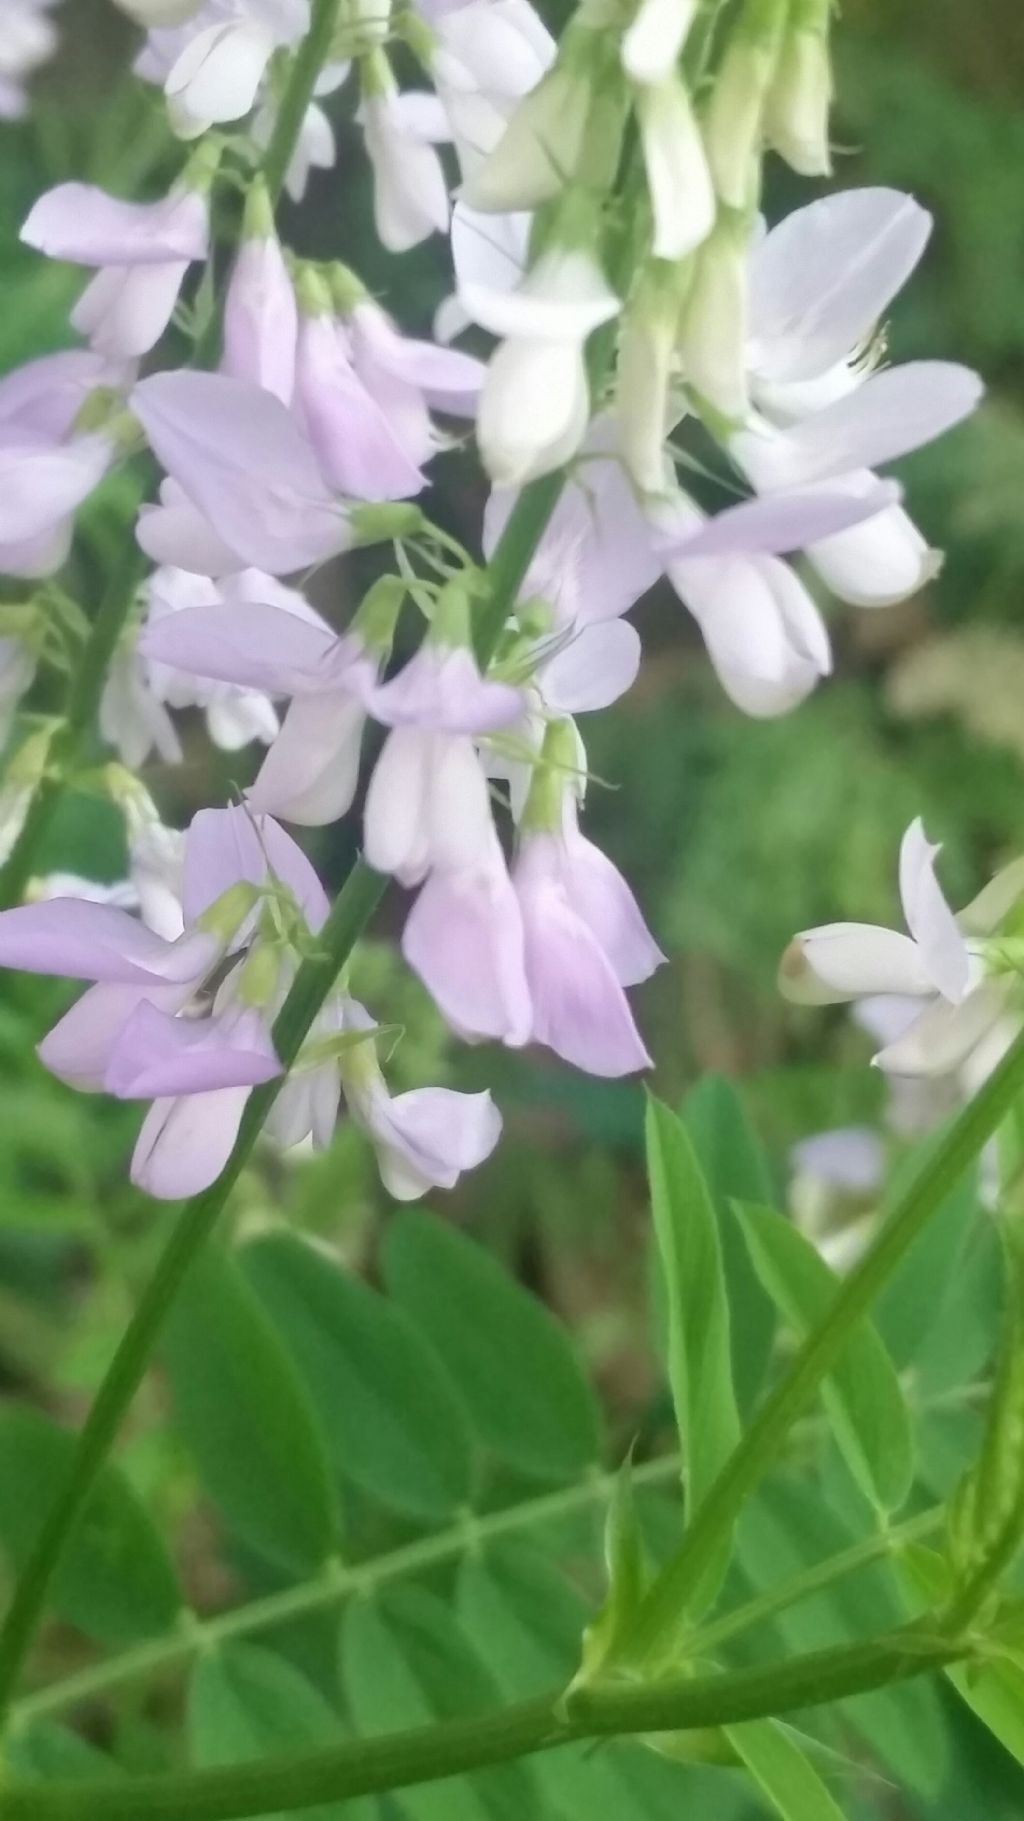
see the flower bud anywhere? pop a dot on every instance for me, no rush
(678, 179)
(646, 353)
(565, 130)
(733, 129)
(713, 336)
(651, 46)
(797, 109)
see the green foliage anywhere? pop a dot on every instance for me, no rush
(244, 1702)
(516, 1372)
(116, 1582)
(862, 1393)
(245, 1416)
(783, 1772)
(699, 1356)
(390, 1416)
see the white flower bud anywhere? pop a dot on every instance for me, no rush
(797, 109)
(646, 354)
(713, 337)
(678, 179)
(651, 46)
(734, 124)
(566, 128)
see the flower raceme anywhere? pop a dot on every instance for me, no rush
(961, 971)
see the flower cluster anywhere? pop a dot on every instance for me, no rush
(628, 294)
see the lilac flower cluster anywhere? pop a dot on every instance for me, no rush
(316, 435)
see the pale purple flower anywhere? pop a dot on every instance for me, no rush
(132, 718)
(428, 803)
(248, 490)
(258, 637)
(359, 452)
(410, 192)
(261, 322)
(579, 1008)
(46, 470)
(142, 252)
(464, 938)
(953, 965)
(235, 714)
(199, 1075)
(424, 1138)
(408, 378)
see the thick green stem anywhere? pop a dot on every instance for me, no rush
(427, 1754)
(310, 58)
(663, 1612)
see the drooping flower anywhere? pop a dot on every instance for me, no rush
(678, 179)
(484, 57)
(261, 319)
(257, 638)
(961, 968)
(653, 41)
(47, 467)
(819, 282)
(142, 252)
(585, 938)
(248, 489)
(212, 60)
(535, 405)
(360, 454)
(410, 192)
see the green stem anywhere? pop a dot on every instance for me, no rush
(814, 1580)
(83, 703)
(327, 1590)
(428, 1754)
(658, 1621)
(309, 61)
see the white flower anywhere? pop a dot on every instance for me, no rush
(678, 178)
(652, 44)
(957, 966)
(535, 403)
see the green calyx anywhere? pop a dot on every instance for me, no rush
(202, 167)
(225, 916)
(346, 288)
(378, 612)
(379, 523)
(258, 216)
(312, 292)
(556, 763)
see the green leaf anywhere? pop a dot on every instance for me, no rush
(405, 1663)
(512, 1361)
(626, 1569)
(699, 1358)
(995, 1694)
(246, 1703)
(390, 1415)
(247, 1419)
(862, 1393)
(782, 1772)
(54, 1754)
(921, 1292)
(735, 1169)
(787, 1530)
(116, 1581)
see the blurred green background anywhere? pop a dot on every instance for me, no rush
(735, 833)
